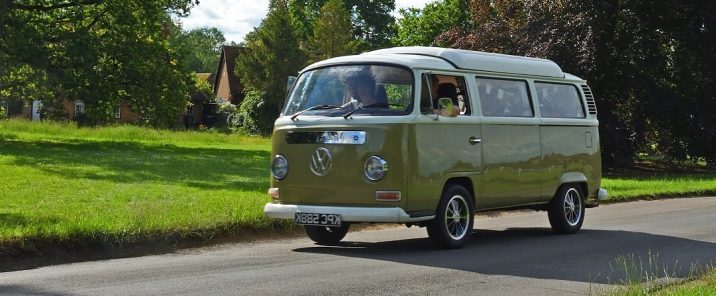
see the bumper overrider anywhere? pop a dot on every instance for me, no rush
(602, 194)
(348, 214)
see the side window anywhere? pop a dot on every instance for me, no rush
(444, 86)
(504, 98)
(559, 100)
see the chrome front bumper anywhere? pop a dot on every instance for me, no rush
(348, 214)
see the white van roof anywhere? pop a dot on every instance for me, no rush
(481, 61)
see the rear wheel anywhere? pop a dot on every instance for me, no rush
(328, 236)
(453, 221)
(566, 210)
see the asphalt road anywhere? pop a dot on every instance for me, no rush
(513, 254)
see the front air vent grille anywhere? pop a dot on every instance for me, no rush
(591, 105)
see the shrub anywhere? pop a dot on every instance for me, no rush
(227, 118)
(257, 113)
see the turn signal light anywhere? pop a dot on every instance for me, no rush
(387, 195)
(273, 193)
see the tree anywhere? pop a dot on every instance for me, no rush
(102, 52)
(271, 55)
(372, 22)
(422, 26)
(331, 31)
(202, 47)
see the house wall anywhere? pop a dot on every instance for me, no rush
(69, 109)
(16, 108)
(127, 115)
(223, 90)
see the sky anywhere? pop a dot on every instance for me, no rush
(236, 18)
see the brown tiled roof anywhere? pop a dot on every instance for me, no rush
(228, 54)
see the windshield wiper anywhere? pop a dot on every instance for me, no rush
(316, 107)
(349, 113)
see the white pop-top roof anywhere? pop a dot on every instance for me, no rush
(481, 61)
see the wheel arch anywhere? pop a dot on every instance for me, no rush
(465, 182)
(577, 178)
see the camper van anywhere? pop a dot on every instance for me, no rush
(427, 136)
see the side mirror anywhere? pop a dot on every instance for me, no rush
(446, 107)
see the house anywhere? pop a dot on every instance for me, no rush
(72, 109)
(226, 86)
(201, 109)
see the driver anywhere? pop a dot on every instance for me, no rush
(362, 89)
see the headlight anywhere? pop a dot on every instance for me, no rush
(279, 167)
(375, 168)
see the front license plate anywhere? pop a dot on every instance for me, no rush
(317, 219)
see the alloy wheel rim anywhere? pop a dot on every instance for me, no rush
(572, 207)
(456, 217)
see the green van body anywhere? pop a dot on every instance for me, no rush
(504, 162)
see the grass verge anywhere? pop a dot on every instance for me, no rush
(639, 278)
(704, 285)
(115, 186)
(626, 187)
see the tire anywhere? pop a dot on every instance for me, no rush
(566, 210)
(452, 226)
(326, 236)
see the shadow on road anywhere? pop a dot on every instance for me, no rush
(26, 291)
(589, 256)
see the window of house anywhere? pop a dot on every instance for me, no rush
(559, 100)
(117, 112)
(444, 86)
(504, 98)
(79, 107)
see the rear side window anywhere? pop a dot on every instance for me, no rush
(559, 100)
(504, 98)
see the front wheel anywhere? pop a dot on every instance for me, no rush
(566, 210)
(327, 236)
(453, 221)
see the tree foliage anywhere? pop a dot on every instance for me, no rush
(372, 24)
(257, 113)
(271, 55)
(421, 26)
(202, 48)
(331, 34)
(102, 52)
(650, 64)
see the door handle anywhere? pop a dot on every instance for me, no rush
(474, 140)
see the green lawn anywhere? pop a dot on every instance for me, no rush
(121, 184)
(116, 185)
(653, 182)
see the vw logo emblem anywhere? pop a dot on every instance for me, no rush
(321, 161)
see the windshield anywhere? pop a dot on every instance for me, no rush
(352, 90)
